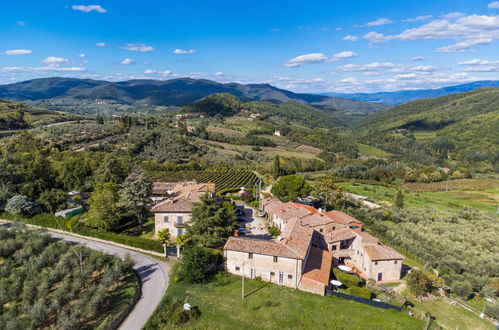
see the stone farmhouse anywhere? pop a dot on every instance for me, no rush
(173, 201)
(311, 242)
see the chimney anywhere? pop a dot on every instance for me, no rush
(236, 233)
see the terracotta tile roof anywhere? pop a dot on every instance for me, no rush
(296, 237)
(271, 204)
(381, 252)
(162, 188)
(310, 209)
(260, 246)
(367, 238)
(341, 217)
(174, 205)
(318, 266)
(340, 235)
(289, 211)
(316, 219)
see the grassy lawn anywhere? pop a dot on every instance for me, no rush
(269, 306)
(452, 317)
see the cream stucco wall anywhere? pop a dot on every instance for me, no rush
(390, 269)
(264, 265)
(160, 224)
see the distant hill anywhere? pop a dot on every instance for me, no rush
(399, 97)
(174, 92)
(465, 122)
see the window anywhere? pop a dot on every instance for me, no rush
(321, 230)
(180, 219)
(165, 219)
(250, 255)
(290, 277)
(376, 263)
(281, 277)
(253, 273)
(358, 252)
(237, 268)
(380, 277)
(334, 247)
(334, 228)
(272, 274)
(275, 259)
(395, 262)
(180, 231)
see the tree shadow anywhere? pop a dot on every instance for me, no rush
(256, 290)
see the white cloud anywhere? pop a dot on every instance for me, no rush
(367, 67)
(138, 47)
(82, 55)
(42, 69)
(17, 52)
(351, 38)
(339, 28)
(55, 60)
(452, 15)
(350, 80)
(128, 61)
(375, 37)
(88, 9)
(478, 65)
(418, 58)
(464, 45)
(21, 23)
(493, 5)
(379, 21)
(156, 72)
(219, 73)
(418, 18)
(101, 44)
(275, 30)
(184, 51)
(306, 59)
(346, 54)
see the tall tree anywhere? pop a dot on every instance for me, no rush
(211, 224)
(330, 194)
(104, 212)
(289, 188)
(399, 200)
(135, 195)
(276, 167)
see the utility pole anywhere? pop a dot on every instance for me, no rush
(242, 289)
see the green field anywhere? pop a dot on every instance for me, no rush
(485, 200)
(372, 151)
(422, 135)
(269, 306)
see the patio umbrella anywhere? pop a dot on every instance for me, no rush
(345, 268)
(336, 283)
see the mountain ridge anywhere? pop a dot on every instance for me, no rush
(173, 92)
(404, 96)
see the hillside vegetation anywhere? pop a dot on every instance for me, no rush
(462, 127)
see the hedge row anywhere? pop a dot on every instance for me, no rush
(348, 280)
(51, 221)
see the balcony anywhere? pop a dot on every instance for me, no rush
(179, 224)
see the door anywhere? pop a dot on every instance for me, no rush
(380, 277)
(281, 277)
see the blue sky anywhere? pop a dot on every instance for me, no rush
(315, 46)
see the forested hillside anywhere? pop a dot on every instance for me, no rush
(174, 92)
(461, 126)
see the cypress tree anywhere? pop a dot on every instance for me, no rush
(276, 167)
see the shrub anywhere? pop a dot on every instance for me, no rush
(274, 231)
(22, 205)
(462, 289)
(199, 264)
(348, 280)
(492, 310)
(359, 292)
(418, 282)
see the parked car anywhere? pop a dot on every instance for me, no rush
(243, 231)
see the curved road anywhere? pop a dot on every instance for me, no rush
(153, 275)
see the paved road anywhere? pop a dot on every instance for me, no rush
(153, 275)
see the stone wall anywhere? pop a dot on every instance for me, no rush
(160, 224)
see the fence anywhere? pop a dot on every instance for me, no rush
(366, 301)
